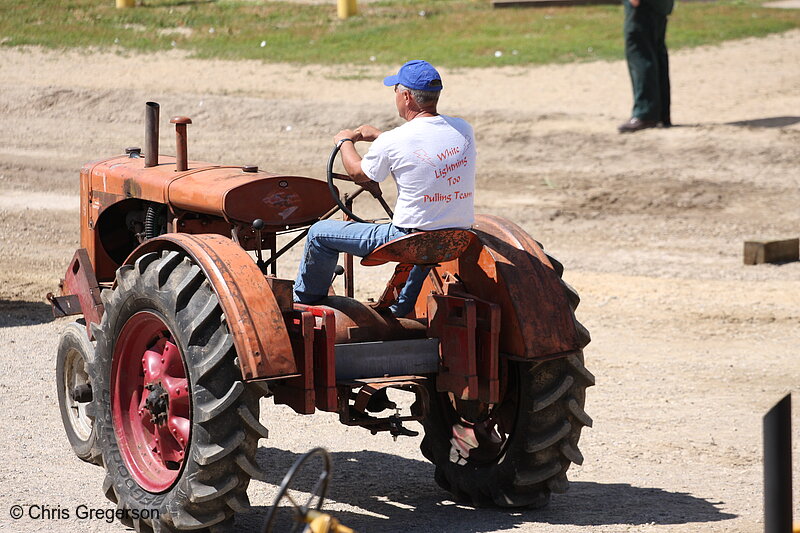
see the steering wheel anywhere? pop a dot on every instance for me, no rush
(342, 203)
(319, 491)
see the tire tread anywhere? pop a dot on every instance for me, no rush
(543, 444)
(213, 484)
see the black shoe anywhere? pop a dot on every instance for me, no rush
(636, 124)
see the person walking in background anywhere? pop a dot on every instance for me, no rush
(648, 63)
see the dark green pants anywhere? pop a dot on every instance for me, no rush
(648, 62)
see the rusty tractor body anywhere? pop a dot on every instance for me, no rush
(187, 326)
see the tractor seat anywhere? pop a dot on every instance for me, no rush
(422, 248)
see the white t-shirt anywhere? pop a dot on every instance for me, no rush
(432, 160)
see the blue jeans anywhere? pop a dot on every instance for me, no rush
(327, 238)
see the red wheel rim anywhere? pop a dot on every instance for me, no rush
(150, 402)
(481, 432)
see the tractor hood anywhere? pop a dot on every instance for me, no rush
(232, 192)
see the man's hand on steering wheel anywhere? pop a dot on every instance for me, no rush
(353, 135)
(352, 161)
(352, 164)
(368, 133)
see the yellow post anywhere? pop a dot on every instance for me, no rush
(126, 3)
(344, 8)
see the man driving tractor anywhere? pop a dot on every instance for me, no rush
(180, 319)
(432, 159)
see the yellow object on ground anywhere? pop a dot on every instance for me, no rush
(324, 523)
(344, 8)
(126, 3)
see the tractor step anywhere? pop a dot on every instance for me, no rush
(386, 358)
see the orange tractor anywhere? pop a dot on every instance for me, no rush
(186, 326)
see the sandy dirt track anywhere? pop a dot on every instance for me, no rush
(690, 347)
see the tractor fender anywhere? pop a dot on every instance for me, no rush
(251, 310)
(506, 266)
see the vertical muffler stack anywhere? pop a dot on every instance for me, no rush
(778, 467)
(151, 117)
(182, 162)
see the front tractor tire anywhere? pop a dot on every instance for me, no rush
(74, 358)
(514, 453)
(177, 426)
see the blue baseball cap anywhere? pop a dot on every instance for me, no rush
(416, 74)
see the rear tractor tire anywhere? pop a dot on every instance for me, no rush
(514, 453)
(177, 426)
(74, 358)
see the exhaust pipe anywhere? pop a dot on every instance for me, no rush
(151, 116)
(182, 157)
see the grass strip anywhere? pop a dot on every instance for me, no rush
(455, 33)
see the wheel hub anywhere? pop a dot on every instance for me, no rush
(157, 402)
(150, 401)
(78, 393)
(481, 431)
(81, 393)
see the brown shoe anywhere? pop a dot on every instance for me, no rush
(636, 124)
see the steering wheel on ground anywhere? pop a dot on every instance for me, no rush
(342, 201)
(300, 512)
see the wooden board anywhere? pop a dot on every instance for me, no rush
(783, 251)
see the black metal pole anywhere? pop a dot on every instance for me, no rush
(778, 467)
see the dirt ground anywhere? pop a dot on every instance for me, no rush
(690, 347)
